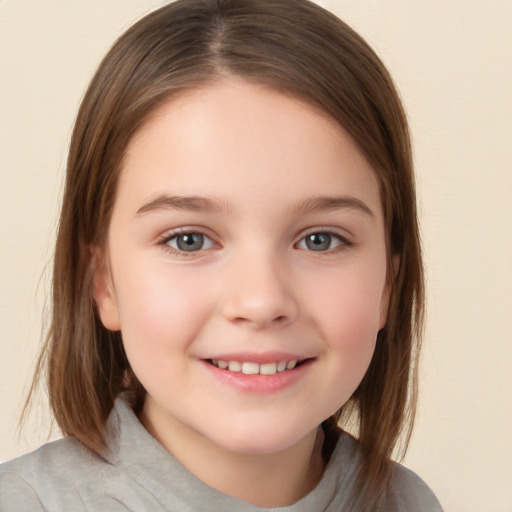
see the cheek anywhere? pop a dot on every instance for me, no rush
(350, 305)
(160, 316)
(159, 309)
(348, 315)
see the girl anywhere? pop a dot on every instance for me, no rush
(237, 272)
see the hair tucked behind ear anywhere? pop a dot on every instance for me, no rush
(293, 46)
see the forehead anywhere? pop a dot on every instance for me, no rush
(236, 139)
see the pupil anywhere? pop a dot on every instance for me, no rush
(190, 242)
(318, 241)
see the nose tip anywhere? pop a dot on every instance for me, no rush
(260, 298)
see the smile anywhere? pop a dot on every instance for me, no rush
(251, 368)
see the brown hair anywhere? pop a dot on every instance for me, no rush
(293, 46)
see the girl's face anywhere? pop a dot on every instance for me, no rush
(247, 267)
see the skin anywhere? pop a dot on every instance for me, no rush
(255, 287)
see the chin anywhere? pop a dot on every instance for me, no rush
(258, 439)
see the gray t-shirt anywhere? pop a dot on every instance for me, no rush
(138, 474)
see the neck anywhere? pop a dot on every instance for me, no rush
(265, 480)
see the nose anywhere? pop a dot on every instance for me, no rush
(259, 294)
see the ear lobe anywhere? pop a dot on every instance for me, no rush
(103, 291)
(386, 294)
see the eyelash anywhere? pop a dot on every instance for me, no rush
(164, 242)
(343, 242)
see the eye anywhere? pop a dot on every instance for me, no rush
(189, 242)
(321, 241)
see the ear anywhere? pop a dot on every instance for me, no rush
(386, 293)
(103, 291)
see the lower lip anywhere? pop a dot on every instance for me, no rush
(259, 384)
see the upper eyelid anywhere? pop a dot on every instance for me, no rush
(341, 233)
(185, 230)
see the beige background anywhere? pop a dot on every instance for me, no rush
(452, 60)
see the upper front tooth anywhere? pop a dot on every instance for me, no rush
(268, 369)
(250, 368)
(234, 366)
(291, 364)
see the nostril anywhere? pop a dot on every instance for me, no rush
(249, 320)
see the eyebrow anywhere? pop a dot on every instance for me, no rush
(315, 204)
(186, 203)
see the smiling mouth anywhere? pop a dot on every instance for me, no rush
(251, 368)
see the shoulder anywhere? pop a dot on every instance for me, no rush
(409, 493)
(17, 495)
(42, 479)
(406, 491)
